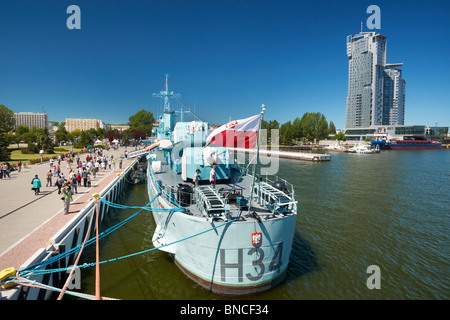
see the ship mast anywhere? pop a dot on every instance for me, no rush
(167, 95)
(167, 120)
(257, 172)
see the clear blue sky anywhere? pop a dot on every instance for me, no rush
(224, 57)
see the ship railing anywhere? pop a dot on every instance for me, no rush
(166, 191)
(276, 200)
(270, 179)
(210, 202)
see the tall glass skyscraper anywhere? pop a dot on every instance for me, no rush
(393, 95)
(368, 78)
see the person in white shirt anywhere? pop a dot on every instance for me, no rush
(212, 176)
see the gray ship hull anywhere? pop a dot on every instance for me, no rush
(228, 256)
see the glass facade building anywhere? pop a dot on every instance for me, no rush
(376, 90)
(397, 132)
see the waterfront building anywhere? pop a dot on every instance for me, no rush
(407, 132)
(369, 79)
(31, 119)
(84, 124)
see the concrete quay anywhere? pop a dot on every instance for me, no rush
(307, 156)
(28, 222)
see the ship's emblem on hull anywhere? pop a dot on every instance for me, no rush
(256, 238)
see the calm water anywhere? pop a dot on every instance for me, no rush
(389, 210)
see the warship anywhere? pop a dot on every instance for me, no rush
(229, 230)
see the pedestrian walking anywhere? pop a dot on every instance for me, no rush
(84, 176)
(73, 183)
(79, 179)
(19, 165)
(49, 178)
(66, 197)
(59, 184)
(8, 169)
(36, 182)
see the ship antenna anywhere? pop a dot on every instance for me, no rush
(361, 26)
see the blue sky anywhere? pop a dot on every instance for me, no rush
(225, 57)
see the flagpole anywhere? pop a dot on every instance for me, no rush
(256, 172)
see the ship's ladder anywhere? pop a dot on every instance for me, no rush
(210, 202)
(274, 199)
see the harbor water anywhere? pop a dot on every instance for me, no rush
(390, 210)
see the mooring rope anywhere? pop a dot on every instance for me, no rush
(77, 248)
(66, 284)
(120, 206)
(35, 270)
(88, 265)
(35, 284)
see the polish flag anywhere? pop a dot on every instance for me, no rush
(238, 134)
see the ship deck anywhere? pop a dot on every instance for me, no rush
(229, 190)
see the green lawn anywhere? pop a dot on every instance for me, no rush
(16, 154)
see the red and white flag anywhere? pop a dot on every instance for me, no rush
(238, 133)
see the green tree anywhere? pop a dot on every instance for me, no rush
(5, 154)
(287, 136)
(314, 125)
(75, 134)
(17, 138)
(100, 133)
(322, 128)
(43, 141)
(283, 128)
(272, 124)
(22, 129)
(340, 136)
(332, 128)
(297, 128)
(61, 134)
(126, 136)
(7, 122)
(85, 139)
(142, 121)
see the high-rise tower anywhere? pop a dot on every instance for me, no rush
(393, 95)
(367, 105)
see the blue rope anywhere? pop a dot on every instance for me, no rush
(77, 248)
(87, 265)
(120, 206)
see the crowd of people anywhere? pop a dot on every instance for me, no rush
(5, 169)
(81, 168)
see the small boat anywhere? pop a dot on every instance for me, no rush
(334, 147)
(364, 149)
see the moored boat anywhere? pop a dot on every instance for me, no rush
(395, 144)
(233, 236)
